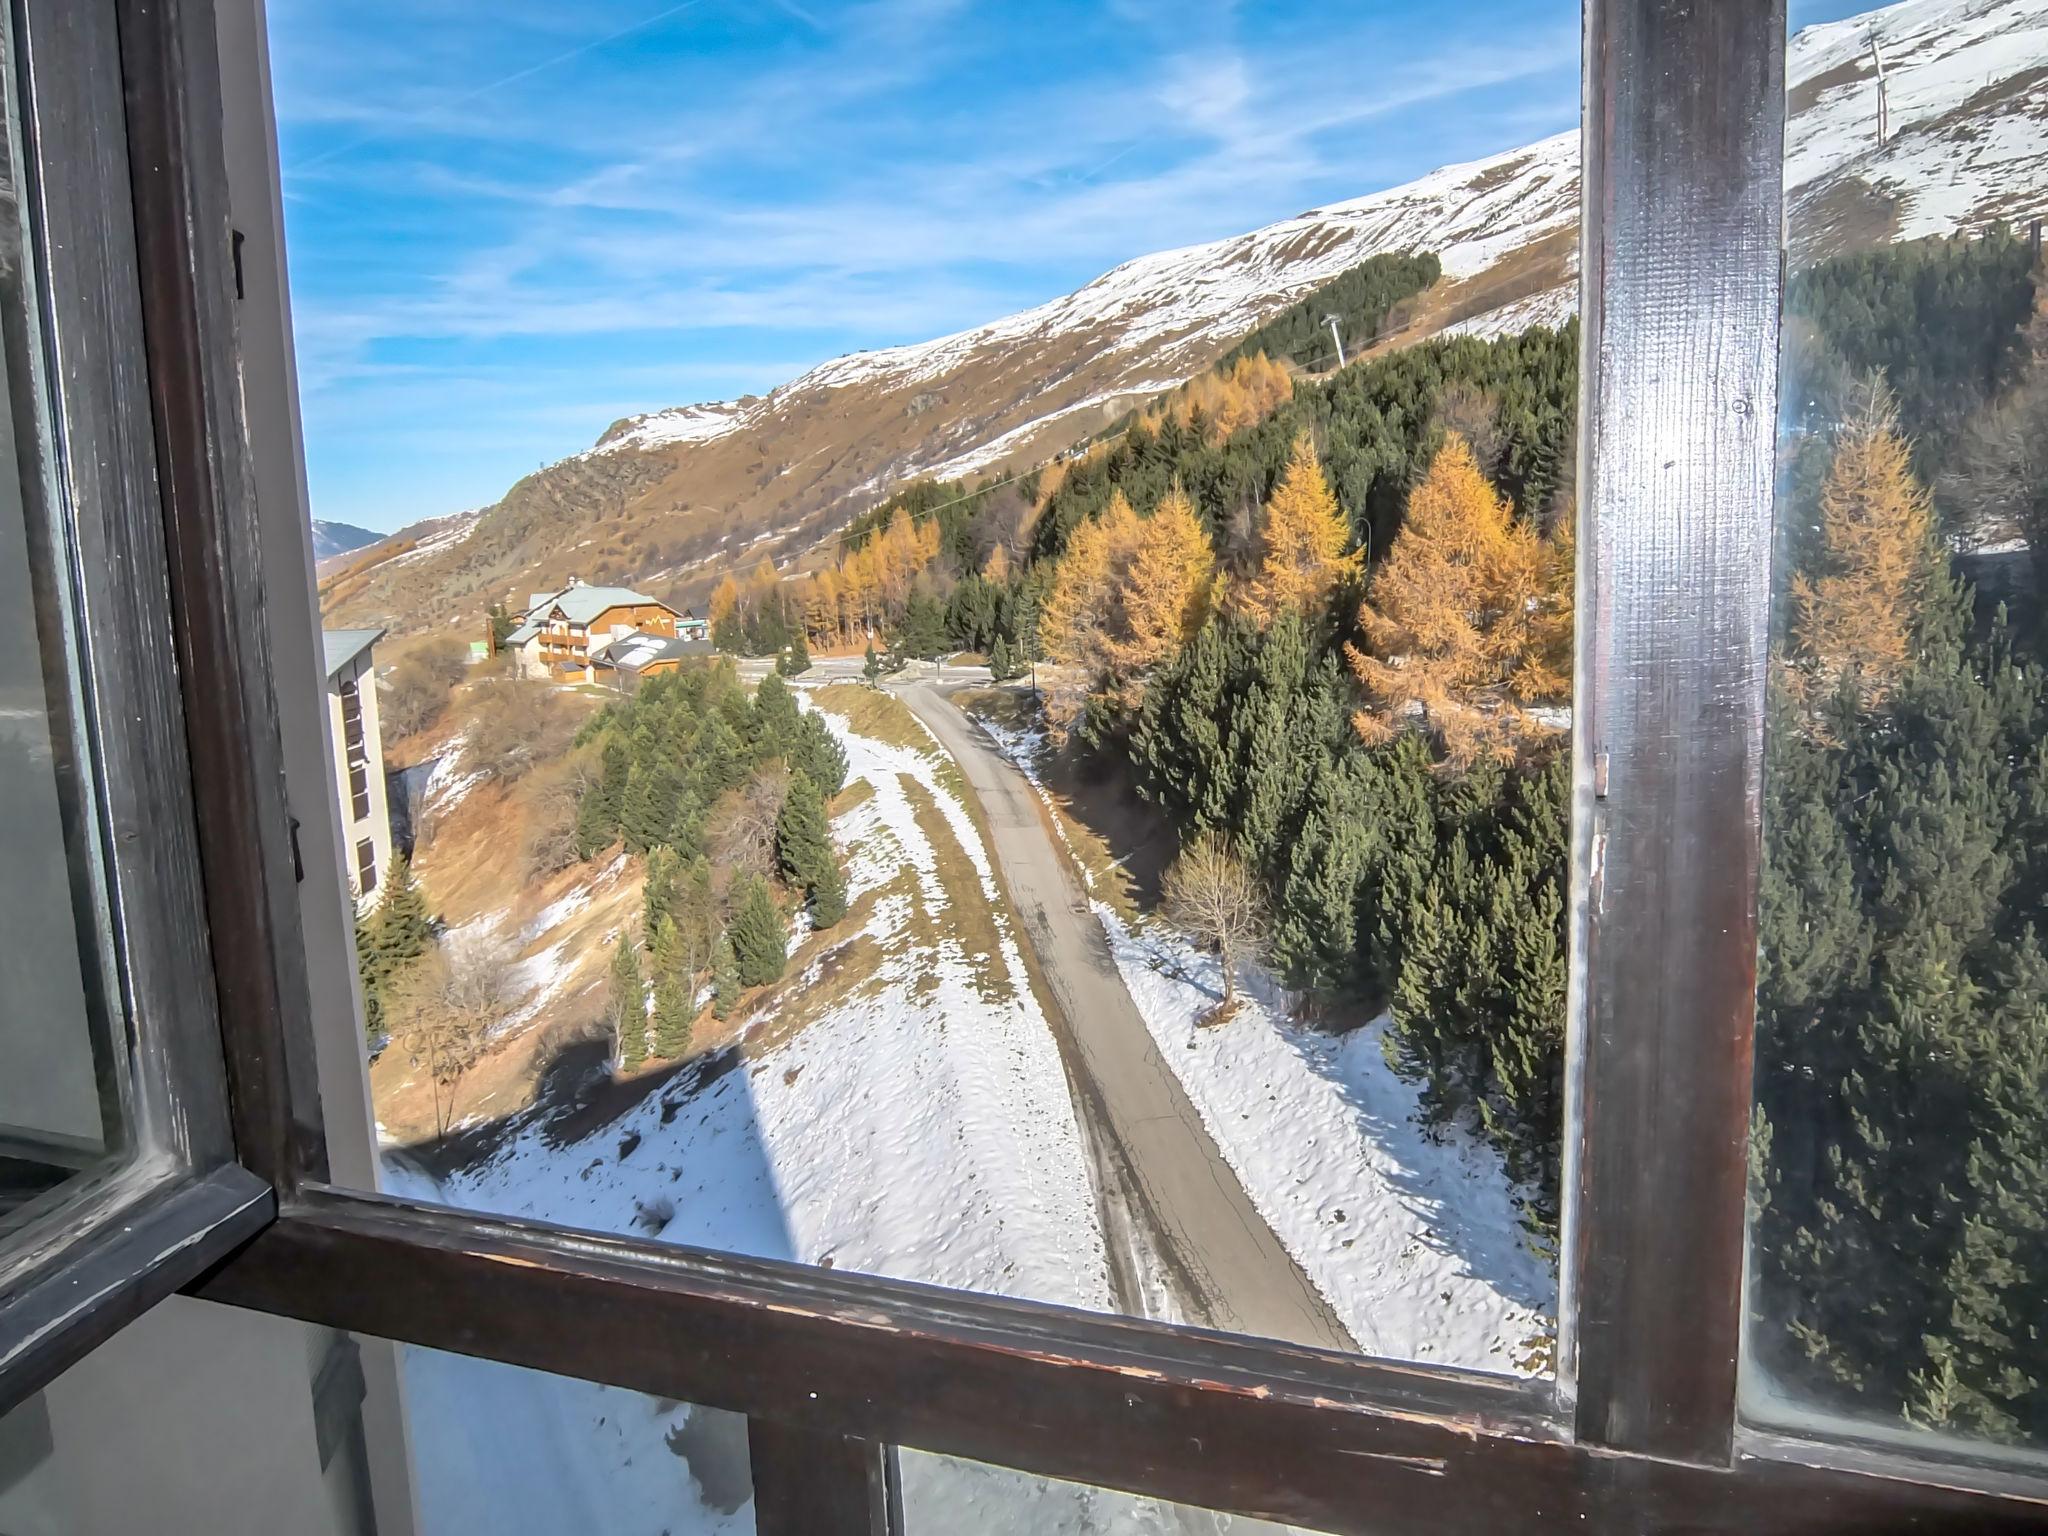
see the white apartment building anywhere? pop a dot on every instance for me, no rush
(358, 755)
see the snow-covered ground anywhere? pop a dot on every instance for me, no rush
(1413, 1234)
(1938, 56)
(903, 1111)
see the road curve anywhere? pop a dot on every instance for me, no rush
(1232, 1271)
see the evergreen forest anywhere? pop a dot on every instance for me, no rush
(1328, 619)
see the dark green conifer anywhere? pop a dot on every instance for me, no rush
(760, 942)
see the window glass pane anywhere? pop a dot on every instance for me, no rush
(1898, 1250)
(335, 1434)
(61, 1060)
(524, 1453)
(1076, 808)
(942, 1494)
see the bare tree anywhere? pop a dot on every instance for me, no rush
(1999, 487)
(513, 726)
(445, 1011)
(1213, 897)
(742, 834)
(419, 685)
(551, 796)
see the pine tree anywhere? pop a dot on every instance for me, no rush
(803, 840)
(626, 1006)
(872, 668)
(597, 815)
(828, 896)
(796, 657)
(658, 887)
(370, 973)
(1902, 1032)
(649, 808)
(1449, 616)
(1302, 542)
(594, 830)
(922, 632)
(718, 760)
(401, 929)
(1000, 668)
(775, 717)
(818, 755)
(674, 990)
(725, 977)
(1854, 613)
(760, 943)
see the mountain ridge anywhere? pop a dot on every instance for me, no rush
(671, 498)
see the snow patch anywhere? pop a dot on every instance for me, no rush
(439, 534)
(1413, 1235)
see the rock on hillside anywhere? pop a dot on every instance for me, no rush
(669, 499)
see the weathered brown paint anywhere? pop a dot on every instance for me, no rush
(1198, 1418)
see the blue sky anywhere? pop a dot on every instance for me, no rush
(511, 224)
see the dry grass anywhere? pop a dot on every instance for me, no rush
(877, 715)
(1849, 215)
(968, 919)
(856, 794)
(1007, 707)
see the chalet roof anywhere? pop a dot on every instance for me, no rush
(636, 652)
(344, 645)
(580, 602)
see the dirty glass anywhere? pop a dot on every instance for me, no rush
(1898, 1256)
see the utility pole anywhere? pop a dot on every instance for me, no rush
(1884, 98)
(1337, 336)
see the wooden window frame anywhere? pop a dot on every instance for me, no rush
(1683, 113)
(182, 1198)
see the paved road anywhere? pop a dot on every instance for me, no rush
(1229, 1268)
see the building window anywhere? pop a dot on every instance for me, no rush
(366, 866)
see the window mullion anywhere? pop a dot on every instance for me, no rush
(1682, 205)
(809, 1482)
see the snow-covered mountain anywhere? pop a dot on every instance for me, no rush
(331, 539)
(675, 496)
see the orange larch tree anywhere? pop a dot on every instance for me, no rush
(1450, 617)
(1228, 399)
(1128, 593)
(996, 570)
(725, 599)
(1166, 587)
(1303, 539)
(1855, 613)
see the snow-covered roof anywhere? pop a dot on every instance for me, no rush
(342, 646)
(634, 653)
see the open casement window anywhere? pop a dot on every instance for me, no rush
(176, 853)
(119, 1180)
